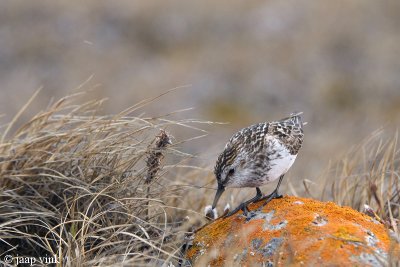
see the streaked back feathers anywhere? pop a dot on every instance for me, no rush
(248, 147)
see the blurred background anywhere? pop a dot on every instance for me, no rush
(238, 61)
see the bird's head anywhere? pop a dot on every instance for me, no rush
(229, 169)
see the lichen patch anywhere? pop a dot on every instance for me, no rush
(283, 233)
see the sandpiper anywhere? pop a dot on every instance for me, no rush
(257, 155)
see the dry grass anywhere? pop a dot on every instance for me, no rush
(90, 189)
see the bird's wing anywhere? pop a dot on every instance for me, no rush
(289, 131)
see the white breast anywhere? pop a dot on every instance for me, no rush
(280, 162)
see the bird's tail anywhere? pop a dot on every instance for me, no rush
(295, 118)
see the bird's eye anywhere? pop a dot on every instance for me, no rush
(231, 172)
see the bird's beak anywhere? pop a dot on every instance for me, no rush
(220, 190)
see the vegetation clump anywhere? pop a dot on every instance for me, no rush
(90, 189)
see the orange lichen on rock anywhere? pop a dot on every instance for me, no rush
(293, 231)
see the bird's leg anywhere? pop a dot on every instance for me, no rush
(274, 193)
(243, 206)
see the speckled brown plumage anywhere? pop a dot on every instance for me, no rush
(260, 153)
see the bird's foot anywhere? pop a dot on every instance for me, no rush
(273, 195)
(242, 206)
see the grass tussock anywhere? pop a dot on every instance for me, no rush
(91, 190)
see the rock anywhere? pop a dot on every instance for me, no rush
(294, 231)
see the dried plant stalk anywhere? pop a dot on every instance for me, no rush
(71, 185)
